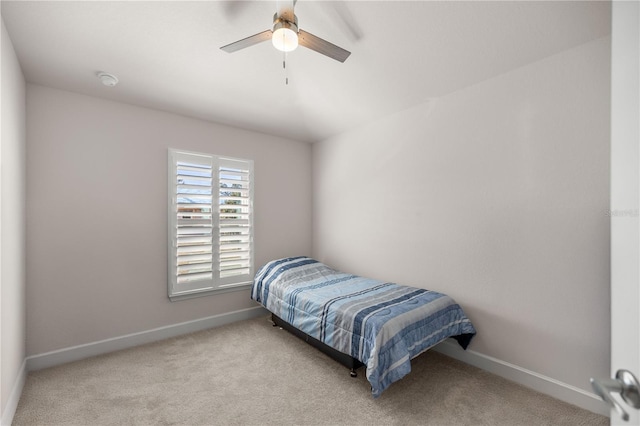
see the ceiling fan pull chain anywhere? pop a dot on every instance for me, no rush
(284, 66)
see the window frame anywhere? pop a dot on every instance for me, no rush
(216, 284)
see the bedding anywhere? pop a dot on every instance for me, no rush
(383, 325)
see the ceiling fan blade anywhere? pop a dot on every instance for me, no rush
(285, 8)
(233, 8)
(249, 41)
(344, 19)
(312, 42)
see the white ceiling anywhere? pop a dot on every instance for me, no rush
(166, 54)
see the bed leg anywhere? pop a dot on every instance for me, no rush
(353, 373)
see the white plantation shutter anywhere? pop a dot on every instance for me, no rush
(210, 223)
(234, 177)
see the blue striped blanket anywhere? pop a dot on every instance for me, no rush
(383, 325)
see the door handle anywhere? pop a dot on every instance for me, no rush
(625, 384)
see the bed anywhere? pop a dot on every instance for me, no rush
(359, 321)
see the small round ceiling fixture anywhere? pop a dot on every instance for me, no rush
(107, 79)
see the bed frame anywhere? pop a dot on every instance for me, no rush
(344, 359)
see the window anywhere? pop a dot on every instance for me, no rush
(210, 224)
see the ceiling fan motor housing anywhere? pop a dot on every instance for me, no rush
(283, 22)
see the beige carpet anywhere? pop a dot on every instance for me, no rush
(252, 373)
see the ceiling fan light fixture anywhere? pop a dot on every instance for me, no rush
(285, 40)
(285, 34)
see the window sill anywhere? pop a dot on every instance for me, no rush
(208, 292)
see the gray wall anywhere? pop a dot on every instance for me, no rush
(497, 195)
(96, 219)
(12, 222)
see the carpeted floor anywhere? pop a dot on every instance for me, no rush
(251, 373)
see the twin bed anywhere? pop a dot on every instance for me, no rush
(359, 321)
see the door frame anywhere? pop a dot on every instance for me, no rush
(625, 194)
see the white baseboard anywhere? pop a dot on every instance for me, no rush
(75, 353)
(531, 379)
(14, 396)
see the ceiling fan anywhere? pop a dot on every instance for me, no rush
(286, 36)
